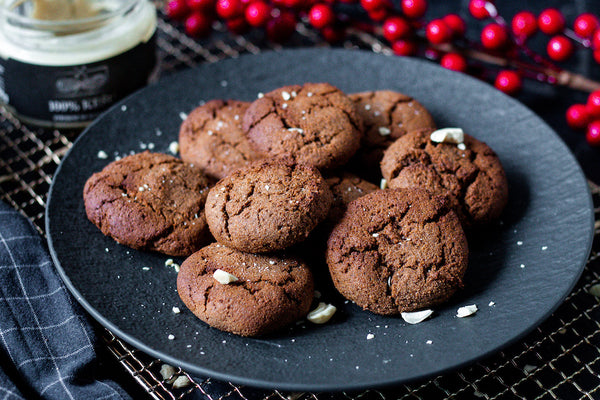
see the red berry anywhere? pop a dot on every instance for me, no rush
(414, 9)
(596, 55)
(551, 21)
(577, 116)
(295, 4)
(379, 14)
(281, 28)
(456, 24)
(508, 82)
(593, 134)
(321, 15)
(229, 9)
(207, 6)
(585, 25)
(371, 5)
(404, 48)
(395, 28)
(333, 34)
(237, 25)
(494, 37)
(524, 24)
(438, 32)
(593, 104)
(258, 13)
(454, 61)
(198, 24)
(478, 9)
(596, 39)
(177, 9)
(559, 48)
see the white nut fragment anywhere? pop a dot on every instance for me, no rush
(224, 277)
(181, 382)
(416, 316)
(174, 147)
(466, 311)
(595, 290)
(383, 131)
(383, 184)
(322, 313)
(286, 96)
(102, 155)
(167, 372)
(448, 135)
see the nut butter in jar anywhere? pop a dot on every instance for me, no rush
(63, 62)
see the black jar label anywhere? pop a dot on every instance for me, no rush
(68, 95)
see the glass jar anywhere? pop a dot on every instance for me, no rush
(64, 72)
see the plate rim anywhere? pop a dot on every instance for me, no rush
(268, 384)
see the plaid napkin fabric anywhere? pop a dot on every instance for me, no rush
(47, 346)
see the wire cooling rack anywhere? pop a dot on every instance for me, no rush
(559, 360)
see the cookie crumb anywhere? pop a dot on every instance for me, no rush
(102, 155)
(466, 311)
(224, 277)
(322, 313)
(416, 316)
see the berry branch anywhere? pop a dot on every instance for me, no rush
(501, 54)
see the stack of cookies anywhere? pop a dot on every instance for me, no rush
(256, 180)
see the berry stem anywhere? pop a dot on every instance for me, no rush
(555, 76)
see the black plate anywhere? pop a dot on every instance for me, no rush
(520, 269)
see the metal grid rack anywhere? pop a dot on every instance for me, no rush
(559, 360)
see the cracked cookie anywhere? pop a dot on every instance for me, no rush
(316, 123)
(387, 115)
(212, 138)
(469, 175)
(150, 201)
(267, 206)
(346, 187)
(397, 250)
(260, 294)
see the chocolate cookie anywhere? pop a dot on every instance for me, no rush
(212, 138)
(472, 179)
(387, 115)
(397, 250)
(150, 201)
(267, 206)
(346, 187)
(316, 123)
(259, 293)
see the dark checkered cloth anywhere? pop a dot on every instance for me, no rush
(47, 346)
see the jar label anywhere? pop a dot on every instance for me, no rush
(71, 95)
